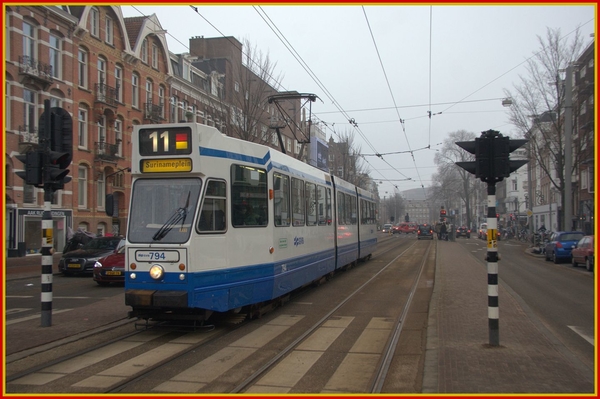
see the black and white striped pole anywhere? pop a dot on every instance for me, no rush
(492, 268)
(47, 250)
(492, 165)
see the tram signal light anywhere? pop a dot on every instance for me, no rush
(59, 151)
(491, 150)
(32, 161)
(56, 165)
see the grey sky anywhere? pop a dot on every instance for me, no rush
(437, 55)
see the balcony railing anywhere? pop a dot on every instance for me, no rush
(34, 70)
(106, 152)
(106, 94)
(153, 112)
(28, 138)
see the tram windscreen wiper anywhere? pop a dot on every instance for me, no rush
(179, 216)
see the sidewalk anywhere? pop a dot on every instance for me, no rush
(459, 358)
(28, 337)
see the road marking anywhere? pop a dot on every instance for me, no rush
(17, 310)
(35, 316)
(580, 331)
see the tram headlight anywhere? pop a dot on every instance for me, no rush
(157, 272)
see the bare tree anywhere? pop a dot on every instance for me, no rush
(348, 163)
(254, 82)
(539, 103)
(452, 181)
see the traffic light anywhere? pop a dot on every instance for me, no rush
(32, 161)
(442, 213)
(59, 153)
(491, 150)
(56, 167)
(503, 166)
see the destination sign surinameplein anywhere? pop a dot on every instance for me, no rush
(166, 165)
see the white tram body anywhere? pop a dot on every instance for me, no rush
(218, 224)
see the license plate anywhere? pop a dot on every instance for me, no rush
(74, 266)
(112, 273)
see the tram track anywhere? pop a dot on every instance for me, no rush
(147, 375)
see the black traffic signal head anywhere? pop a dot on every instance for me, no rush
(33, 163)
(56, 167)
(491, 150)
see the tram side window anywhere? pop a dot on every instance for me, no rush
(298, 202)
(323, 206)
(249, 200)
(213, 213)
(281, 199)
(311, 204)
(351, 208)
(341, 206)
(367, 212)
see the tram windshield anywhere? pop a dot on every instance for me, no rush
(162, 210)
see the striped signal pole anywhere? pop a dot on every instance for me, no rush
(492, 268)
(47, 250)
(47, 223)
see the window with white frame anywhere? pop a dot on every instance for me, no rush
(7, 103)
(119, 82)
(119, 136)
(54, 43)
(100, 189)
(237, 87)
(28, 43)
(82, 124)
(82, 187)
(29, 107)
(161, 100)
(82, 58)
(102, 82)
(101, 134)
(144, 51)
(95, 22)
(583, 179)
(135, 90)
(149, 87)
(108, 32)
(29, 194)
(154, 56)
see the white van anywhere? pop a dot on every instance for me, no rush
(482, 232)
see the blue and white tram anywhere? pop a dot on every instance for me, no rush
(218, 224)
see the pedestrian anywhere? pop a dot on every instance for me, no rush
(444, 231)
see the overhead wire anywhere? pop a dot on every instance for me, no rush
(391, 94)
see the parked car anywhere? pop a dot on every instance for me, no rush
(111, 268)
(482, 233)
(386, 228)
(82, 260)
(583, 253)
(463, 231)
(561, 243)
(424, 231)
